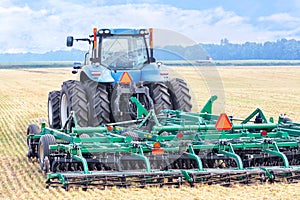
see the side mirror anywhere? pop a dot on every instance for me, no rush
(77, 65)
(70, 40)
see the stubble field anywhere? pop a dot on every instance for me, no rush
(23, 100)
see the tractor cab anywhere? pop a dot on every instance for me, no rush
(121, 49)
(118, 49)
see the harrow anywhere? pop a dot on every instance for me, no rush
(172, 148)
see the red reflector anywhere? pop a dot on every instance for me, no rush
(157, 151)
(156, 145)
(109, 128)
(96, 73)
(125, 79)
(264, 133)
(223, 123)
(164, 73)
(179, 135)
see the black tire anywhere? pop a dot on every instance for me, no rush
(32, 129)
(44, 151)
(160, 96)
(73, 98)
(104, 104)
(133, 135)
(180, 97)
(54, 109)
(98, 103)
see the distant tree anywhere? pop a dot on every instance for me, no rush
(224, 41)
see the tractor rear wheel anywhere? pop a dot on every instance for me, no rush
(103, 111)
(160, 96)
(180, 97)
(44, 151)
(53, 109)
(73, 98)
(98, 103)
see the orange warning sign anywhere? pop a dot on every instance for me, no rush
(223, 123)
(125, 79)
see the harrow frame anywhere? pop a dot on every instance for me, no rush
(172, 148)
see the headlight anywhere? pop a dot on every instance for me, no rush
(143, 32)
(104, 31)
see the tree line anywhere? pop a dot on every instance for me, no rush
(282, 49)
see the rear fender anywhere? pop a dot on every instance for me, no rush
(96, 73)
(154, 73)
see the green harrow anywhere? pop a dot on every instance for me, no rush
(172, 148)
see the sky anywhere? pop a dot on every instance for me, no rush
(39, 26)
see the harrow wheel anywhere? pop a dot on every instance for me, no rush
(53, 109)
(181, 99)
(32, 129)
(73, 98)
(44, 151)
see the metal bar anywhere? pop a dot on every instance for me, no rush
(245, 145)
(150, 114)
(144, 158)
(98, 129)
(291, 131)
(141, 110)
(192, 154)
(187, 176)
(277, 152)
(58, 134)
(207, 108)
(233, 155)
(257, 111)
(83, 161)
(212, 127)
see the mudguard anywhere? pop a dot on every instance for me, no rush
(96, 73)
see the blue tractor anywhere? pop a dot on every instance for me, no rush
(118, 65)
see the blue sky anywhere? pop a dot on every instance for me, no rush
(42, 25)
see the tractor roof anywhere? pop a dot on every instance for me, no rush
(122, 31)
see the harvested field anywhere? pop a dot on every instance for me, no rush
(23, 100)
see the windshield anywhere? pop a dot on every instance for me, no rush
(123, 52)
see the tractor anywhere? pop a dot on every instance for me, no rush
(118, 65)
